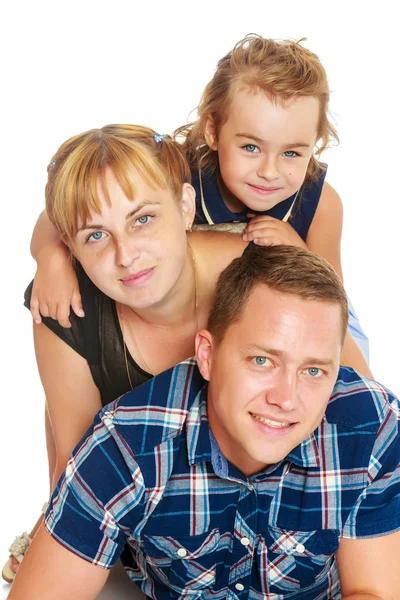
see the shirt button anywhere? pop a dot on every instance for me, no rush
(181, 552)
(245, 541)
(300, 548)
(239, 587)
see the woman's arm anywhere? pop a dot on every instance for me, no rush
(55, 287)
(49, 570)
(324, 238)
(71, 394)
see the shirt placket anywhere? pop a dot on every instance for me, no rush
(244, 542)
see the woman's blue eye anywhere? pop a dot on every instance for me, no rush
(97, 235)
(290, 153)
(250, 148)
(314, 372)
(143, 219)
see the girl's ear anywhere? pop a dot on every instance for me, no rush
(188, 203)
(210, 134)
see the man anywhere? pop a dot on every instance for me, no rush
(261, 471)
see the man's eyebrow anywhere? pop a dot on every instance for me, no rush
(128, 216)
(280, 353)
(261, 141)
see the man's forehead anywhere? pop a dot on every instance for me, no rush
(288, 318)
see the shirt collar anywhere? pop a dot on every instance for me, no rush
(197, 430)
(306, 454)
(200, 448)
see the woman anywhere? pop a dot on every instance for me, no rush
(121, 201)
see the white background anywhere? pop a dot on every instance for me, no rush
(71, 66)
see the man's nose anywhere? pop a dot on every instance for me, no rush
(284, 392)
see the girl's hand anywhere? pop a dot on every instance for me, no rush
(55, 288)
(268, 231)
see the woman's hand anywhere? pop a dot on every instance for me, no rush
(55, 287)
(268, 231)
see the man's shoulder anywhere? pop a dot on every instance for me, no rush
(359, 402)
(158, 409)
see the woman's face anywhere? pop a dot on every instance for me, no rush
(135, 252)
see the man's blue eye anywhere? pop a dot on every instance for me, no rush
(260, 360)
(250, 148)
(97, 235)
(290, 153)
(314, 372)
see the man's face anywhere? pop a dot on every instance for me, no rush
(271, 376)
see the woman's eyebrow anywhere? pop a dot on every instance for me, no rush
(128, 216)
(142, 205)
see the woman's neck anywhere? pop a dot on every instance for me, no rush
(180, 304)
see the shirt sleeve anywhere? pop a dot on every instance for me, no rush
(377, 510)
(98, 499)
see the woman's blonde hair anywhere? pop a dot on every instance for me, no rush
(282, 69)
(79, 165)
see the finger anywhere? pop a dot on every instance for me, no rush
(35, 310)
(53, 310)
(254, 217)
(62, 315)
(257, 232)
(270, 241)
(76, 304)
(44, 309)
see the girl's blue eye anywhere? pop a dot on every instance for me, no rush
(290, 153)
(97, 235)
(250, 148)
(314, 372)
(143, 219)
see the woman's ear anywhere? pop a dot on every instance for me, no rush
(188, 201)
(210, 134)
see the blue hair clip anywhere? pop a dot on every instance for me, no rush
(51, 164)
(159, 137)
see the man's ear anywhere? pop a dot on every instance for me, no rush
(188, 203)
(210, 134)
(204, 352)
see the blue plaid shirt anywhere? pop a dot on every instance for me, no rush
(149, 484)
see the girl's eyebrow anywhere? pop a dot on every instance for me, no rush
(298, 145)
(249, 135)
(261, 141)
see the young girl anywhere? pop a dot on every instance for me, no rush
(263, 120)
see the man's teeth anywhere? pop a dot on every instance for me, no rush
(276, 424)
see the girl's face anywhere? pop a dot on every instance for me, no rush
(135, 252)
(264, 148)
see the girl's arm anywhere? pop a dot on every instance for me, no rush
(55, 287)
(324, 237)
(71, 394)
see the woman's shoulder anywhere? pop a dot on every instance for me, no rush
(215, 250)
